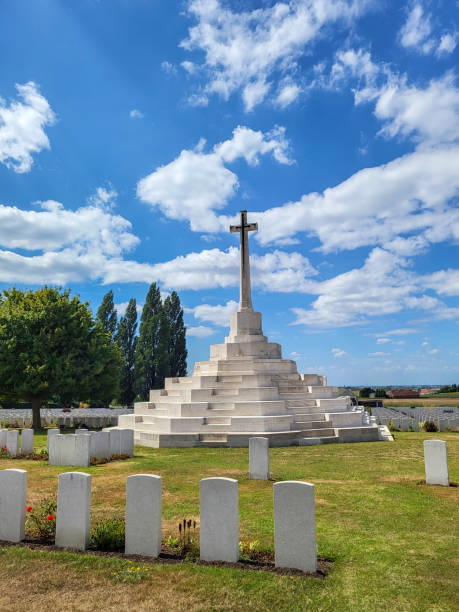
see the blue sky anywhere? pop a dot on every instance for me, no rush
(133, 131)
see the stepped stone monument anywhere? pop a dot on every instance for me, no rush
(246, 389)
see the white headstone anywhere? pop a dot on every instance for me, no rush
(3, 437)
(127, 442)
(13, 492)
(436, 462)
(295, 525)
(27, 442)
(219, 519)
(73, 510)
(258, 458)
(81, 457)
(143, 515)
(51, 432)
(115, 441)
(12, 442)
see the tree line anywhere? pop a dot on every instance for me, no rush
(157, 352)
(52, 348)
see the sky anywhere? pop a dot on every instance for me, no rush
(133, 131)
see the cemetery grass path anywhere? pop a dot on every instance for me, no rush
(394, 542)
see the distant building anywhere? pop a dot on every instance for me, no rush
(428, 391)
(403, 394)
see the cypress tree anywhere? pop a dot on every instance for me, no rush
(146, 357)
(177, 351)
(162, 350)
(106, 314)
(127, 340)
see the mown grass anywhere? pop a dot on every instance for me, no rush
(424, 402)
(394, 542)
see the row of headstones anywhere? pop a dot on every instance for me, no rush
(9, 439)
(403, 423)
(79, 448)
(63, 421)
(294, 516)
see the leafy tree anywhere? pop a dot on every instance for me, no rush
(127, 341)
(365, 392)
(177, 336)
(380, 392)
(106, 314)
(50, 346)
(146, 353)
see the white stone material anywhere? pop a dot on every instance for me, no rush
(69, 449)
(73, 510)
(143, 515)
(12, 442)
(115, 442)
(436, 462)
(127, 442)
(100, 445)
(27, 441)
(13, 492)
(51, 432)
(295, 525)
(258, 458)
(3, 433)
(82, 430)
(219, 519)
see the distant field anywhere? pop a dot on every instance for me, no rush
(426, 402)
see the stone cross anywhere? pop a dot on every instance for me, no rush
(245, 298)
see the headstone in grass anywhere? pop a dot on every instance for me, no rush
(73, 510)
(143, 515)
(295, 526)
(51, 432)
(436, 462)
(13, 491)
(219, 520)
(258, 458)
(27, 441)
(12, 442)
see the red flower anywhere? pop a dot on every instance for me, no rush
(50, 517)
(29, 508)
(4, 448)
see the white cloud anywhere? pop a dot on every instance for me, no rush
(417, 29)
(136, 114)
(201, 331)
(337, 352)
(22, 128)
(247, 51)
(122, 306)
(169, 68)
(433, 351)
(382, 340)
(376, 205)
(104, 197)
(288, 93)
(378, 354)
(447, 44)
(218, 315)
(417, 33)
(196, 183)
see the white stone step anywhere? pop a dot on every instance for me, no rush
(319, 433)
(213, 437)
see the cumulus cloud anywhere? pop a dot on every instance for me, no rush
(196, 183)
(337, 352)
(201, 331)
(22, 127)
(218, 315)
(104, 197)
(136, 114)
(417, 33)
(248, 51)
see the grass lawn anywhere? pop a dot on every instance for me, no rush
(394, 543)
(426, 402)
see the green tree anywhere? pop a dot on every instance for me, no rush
(177, 337)
(365, 392)
(146, 355)
(106, 314)
(127, 341)
(380, 392)
(51, 346)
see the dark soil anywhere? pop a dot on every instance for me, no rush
(169, 556)
(423, 482)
